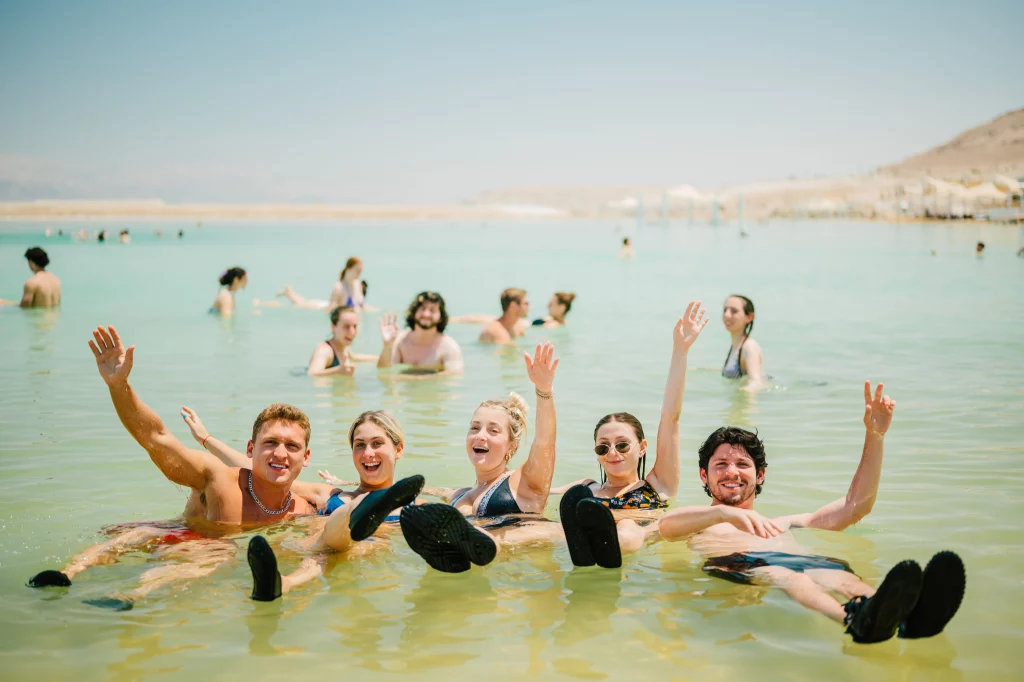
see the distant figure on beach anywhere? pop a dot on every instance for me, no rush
(42, 289)
(741, 545)
(738, 318)
(334, 356)
(348, 291)
(424, 345)
(514, 308)
(231, 281)
(627, 249)
(124, 237)
(979, 249)
(558, 308)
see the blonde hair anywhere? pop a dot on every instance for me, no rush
(284, 413)
(515, 409)
(384, 420)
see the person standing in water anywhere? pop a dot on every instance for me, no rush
(979, 249)
(424, 345)
(627, 249)
(745, 358)
(515, 307)
(558, 308)
(42, 289)
(745, 547)
(231, 281)
(334, 356)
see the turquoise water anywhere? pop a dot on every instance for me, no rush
(837, 303)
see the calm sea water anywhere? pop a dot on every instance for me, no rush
(837, 303)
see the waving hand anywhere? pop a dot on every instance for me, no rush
(112, 360)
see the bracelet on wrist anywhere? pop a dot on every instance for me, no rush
(544, 395)
(204, 441)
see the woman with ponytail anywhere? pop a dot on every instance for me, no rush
(231, 281)
(745, 358)
(508, 501)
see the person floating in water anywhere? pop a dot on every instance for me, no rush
(508, 503)
(424, 347)
(627, 249)
(515, 307)
(596, 518)
(223, 493)
(745, 358)
(743, 546)
(979, 249)
(347, 516)
(42, 289)
(349, 291)
(232, 280)
(334, 356)
(558, 308)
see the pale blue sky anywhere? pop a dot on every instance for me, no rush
(436, 101)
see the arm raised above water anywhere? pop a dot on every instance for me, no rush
(860, 498)
(539, 469)
(664, 476)
(179, 464)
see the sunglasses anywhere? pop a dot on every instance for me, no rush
(621, 447)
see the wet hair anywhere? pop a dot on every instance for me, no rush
(37, 256)
(339, 311)
(349, 264)
(426, 297)
(638, 429)
(384, 420)
(510, 296)
(365, 287)
(748, 309)
(625, 241)
(284, 413)
(732, 435)
(230, 275)
(565, 299)
(981, 245)
(515, 409)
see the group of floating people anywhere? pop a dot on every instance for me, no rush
(504, 497)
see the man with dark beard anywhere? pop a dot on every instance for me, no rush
(743, 546)
(424, 345)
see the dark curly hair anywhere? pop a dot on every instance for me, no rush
(731, 435)
(229, 276)
(417, 303)
(37, 256)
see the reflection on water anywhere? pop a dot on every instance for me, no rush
(952, 476)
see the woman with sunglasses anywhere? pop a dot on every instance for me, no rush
(591, 530)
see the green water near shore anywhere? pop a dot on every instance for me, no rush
(837, 303)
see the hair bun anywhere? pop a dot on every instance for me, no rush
(571, 297)
(516, 401)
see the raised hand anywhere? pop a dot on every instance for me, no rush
(689, 326)
(334, 480)
(388, 328)
(750, 521)
(541, 367)
(112, 360)
(877, 410)
(194, 424)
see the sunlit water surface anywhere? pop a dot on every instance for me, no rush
(837, 303)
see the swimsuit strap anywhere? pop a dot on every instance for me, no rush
(481, 507)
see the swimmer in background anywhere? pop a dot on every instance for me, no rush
(424, 346)
(600, 520)
(558, 308)
(42, 289)
(231, 281)
(334, 356)
(515, 306)
(745, 358)
(627, 249)
(979, 249)
(348, 291)
(743, 546)
(124, 237)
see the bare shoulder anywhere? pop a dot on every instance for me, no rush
(752, 346)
